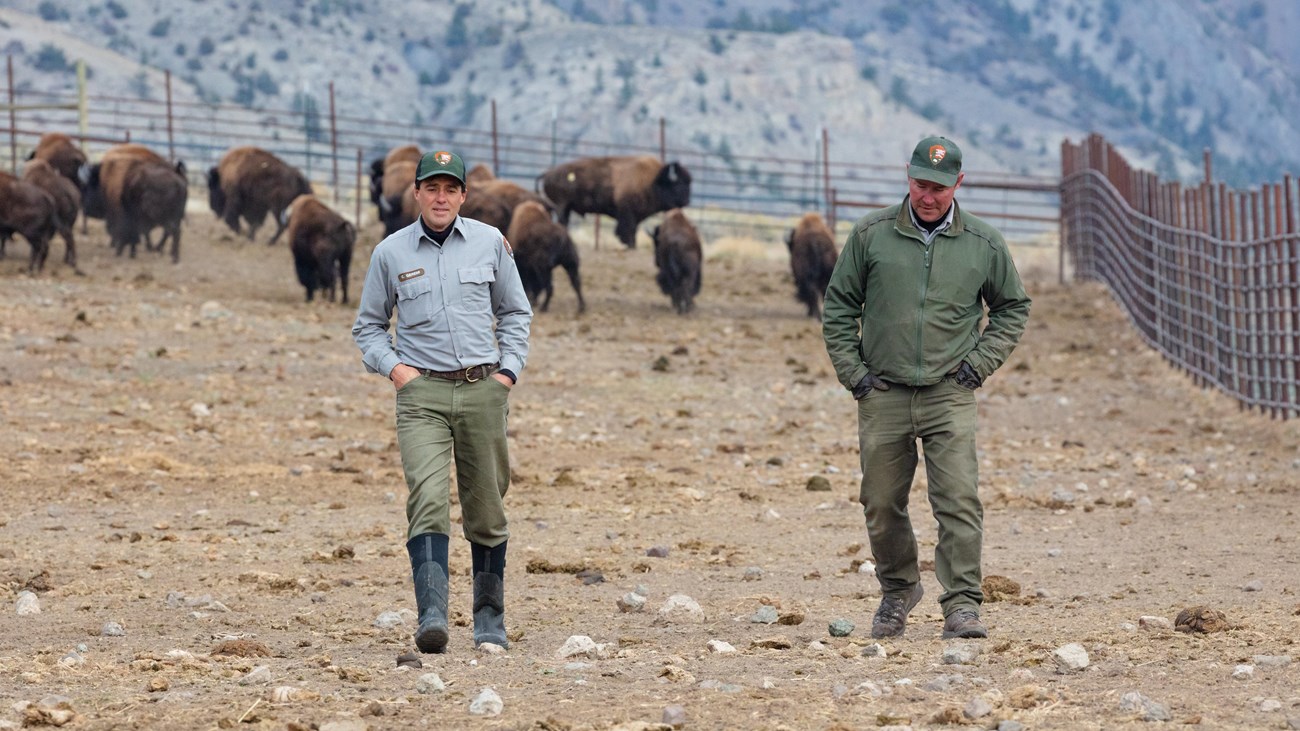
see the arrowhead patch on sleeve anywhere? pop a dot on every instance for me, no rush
(506, 243)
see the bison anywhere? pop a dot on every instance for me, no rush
(67, 201)
(540, 245)
(812, 257)
(135, 190)
(679, 256)
(480, 173)
(379, 167)
(627, 188)
(248, 183)
(494, 201)
(321, 241)
(26, 209)
(58, 150)
(397, 206)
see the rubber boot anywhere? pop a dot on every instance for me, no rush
(489, 594)
(429, 570)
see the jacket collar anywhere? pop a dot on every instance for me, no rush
(903, 222)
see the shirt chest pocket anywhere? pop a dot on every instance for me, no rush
(414, 302)
(476, 287)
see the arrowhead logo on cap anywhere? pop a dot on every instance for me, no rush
(937, 154)
(443, 158)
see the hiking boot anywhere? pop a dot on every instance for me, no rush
(964, 622)
(891, 616)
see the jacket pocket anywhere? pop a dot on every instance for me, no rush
(476, 288)
(414, 302)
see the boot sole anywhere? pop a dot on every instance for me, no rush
(431, 640)
(966, 634)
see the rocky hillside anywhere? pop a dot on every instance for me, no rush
(1008, 78)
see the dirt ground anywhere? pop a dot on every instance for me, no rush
(195, 454)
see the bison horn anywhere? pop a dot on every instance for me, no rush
(672, 172)
(83, 173)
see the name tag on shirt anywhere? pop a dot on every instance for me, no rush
(410, 275)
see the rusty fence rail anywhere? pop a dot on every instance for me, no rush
(1209, 276)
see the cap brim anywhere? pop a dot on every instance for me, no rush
(436, 173)
(934, 176)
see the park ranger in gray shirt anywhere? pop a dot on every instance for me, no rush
(461, 343)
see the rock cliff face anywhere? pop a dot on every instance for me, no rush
(1008, 78)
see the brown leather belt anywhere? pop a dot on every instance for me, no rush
(471, 374)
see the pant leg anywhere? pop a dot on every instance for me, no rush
(424, 437)
(887, 443)
(947, 417)
(482, 459)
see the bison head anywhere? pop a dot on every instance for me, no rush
(216, 196)
(673, 186)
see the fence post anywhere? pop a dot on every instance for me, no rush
(496, 161)
(83, 113)
(171, 138)
(826, 163)
(13, 122)
(359, 179)
(663, 145)
(334, 146)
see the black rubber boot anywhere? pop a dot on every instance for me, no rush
(429, 570)
(489, 594)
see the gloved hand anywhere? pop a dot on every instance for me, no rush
(966, 377)
(866, 384)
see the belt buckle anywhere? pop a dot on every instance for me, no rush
(482, 372)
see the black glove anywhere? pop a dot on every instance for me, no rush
(866, 384)
(966, 377)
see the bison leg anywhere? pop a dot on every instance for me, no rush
(70, 247)
(571, 268)
(626, 231)
(279, 229)
(175, 233)
(345, 261)
(562, 215)
(325, 268)
(40, 244)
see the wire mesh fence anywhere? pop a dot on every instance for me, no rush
(1209, 276)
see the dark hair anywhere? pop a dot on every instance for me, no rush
(462, 185)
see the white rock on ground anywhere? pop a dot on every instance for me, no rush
(486, 703)
(1071, 658)
(430, 683)
(27, 604)
(681, 608)
(577, 646)
(720, 647)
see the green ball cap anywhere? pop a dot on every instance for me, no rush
(937, 159)
(440, 162)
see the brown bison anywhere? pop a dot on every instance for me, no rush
(135, 190)
(58, 150)
(626, 188)
(494, 201)
(480, 173)
(248, 183)
(812, 257)
(67, 201)
(679, 257)
(397, 206)
(26, 209)
(540, 245)
(378, 168)
(321, 241)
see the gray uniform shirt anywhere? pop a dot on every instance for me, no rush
(447, 298)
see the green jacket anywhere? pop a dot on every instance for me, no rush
(910, 313)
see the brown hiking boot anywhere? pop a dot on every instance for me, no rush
(964, 622)
(891, 616)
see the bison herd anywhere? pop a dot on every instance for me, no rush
(136, 191)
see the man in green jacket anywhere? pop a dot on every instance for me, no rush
(902, 327)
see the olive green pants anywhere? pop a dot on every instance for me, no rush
(436, 420)
(943, 417)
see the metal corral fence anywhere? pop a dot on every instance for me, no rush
(732, 195)
(1209, 276)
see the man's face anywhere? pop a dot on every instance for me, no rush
(439, 199)
(931, 200)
